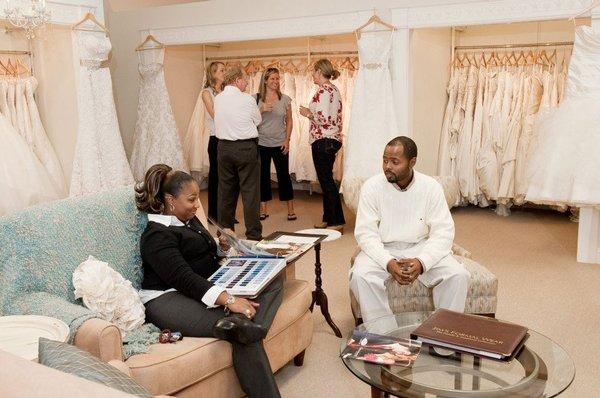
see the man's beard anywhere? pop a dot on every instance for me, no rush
(391, 177)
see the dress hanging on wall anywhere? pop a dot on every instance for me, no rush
(24, 180)
(100, 162)
(565, 164)
(156, 137)
(21, 107)
(372, 121)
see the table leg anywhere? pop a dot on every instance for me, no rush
(318, 295)
(377, 393)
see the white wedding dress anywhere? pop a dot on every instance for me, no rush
(373, 120)
(564, 169)
(156, 137)
(100, 162)
(24, 180)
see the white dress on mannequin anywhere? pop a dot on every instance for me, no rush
(156, 136)
(373, 120)
(100, 162)
(564, 168)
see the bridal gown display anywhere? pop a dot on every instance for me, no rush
(24, 180)
(565, 164)
(373, 120)
(99, 162)
(156, 137)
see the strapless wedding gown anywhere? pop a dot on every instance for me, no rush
(156, 136)
(100, 162)
(564, 169)
(373, 119)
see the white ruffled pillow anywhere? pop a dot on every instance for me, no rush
(105, 291)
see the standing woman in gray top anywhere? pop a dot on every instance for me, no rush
(212, 87)
(274, 141)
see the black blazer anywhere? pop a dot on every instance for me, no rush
(179, 257)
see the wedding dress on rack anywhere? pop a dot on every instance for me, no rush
(564, 167)
(156, 137)
(100, 162)
(24, 181)
(373, 121)
(29, 125)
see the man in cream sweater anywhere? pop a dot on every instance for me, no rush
(404, 230)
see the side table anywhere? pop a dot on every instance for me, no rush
(19, 334)
(318, 295)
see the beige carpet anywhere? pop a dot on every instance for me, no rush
(541, 286)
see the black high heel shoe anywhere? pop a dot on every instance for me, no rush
(238, 328)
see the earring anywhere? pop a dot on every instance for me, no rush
(172, 207)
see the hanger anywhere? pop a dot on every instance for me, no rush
(155, 44)
(24, 69)
(374, 19)
(90, 17)
(11, 68)
(4, 68)
(482, 60)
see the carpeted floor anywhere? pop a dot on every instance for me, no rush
(541, 286)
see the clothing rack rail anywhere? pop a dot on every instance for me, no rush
(15, 52)
(509, 46)
(287, 55)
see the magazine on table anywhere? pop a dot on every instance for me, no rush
(382, 350)
(279, 244)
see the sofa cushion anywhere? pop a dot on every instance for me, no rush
(70, 359)
(167, 368)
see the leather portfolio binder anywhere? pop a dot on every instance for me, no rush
(471, 333)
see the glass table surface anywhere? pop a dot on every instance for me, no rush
(541, 369)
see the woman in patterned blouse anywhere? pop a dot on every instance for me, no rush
(325, 115)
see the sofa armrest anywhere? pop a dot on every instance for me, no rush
(100, 338)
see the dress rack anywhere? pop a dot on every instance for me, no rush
(290, 55)
(29, 54)
(509, 46)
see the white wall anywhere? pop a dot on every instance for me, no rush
(430, 51)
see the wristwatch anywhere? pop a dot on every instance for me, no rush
(230, 300)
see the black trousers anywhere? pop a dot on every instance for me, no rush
(282, 168)
(323, 154)
(213, 178)
(180, 313)
(239, 172)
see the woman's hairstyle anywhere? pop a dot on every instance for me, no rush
(159, 180)
(232, 74)
(327, 69)
(210, 75)
(263, 83)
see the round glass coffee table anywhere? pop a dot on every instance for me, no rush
(541, 369)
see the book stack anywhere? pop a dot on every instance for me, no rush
(472, 334)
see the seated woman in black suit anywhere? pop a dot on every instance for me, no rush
(178, 255)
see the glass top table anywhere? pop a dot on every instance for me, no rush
(541, 369)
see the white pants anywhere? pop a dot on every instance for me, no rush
(448, 278)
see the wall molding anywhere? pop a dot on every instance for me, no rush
(257, 30)
(458, 14)
(487, 12)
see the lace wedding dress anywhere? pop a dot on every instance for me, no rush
(156, 136)
(100, 162)
(373, 120)
(564, 167)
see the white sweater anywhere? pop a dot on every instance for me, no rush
(417, 216)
